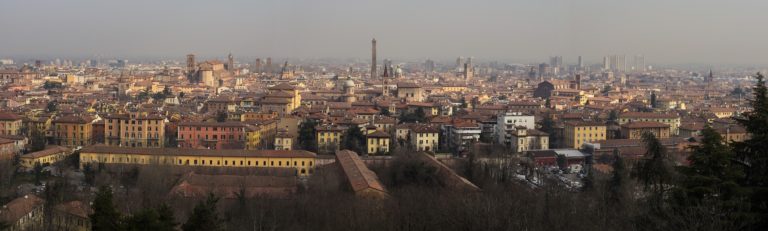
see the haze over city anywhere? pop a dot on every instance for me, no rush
(667, 32)
(331, 115)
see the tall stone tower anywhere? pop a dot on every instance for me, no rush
(373, 59)
(191, 65)
(269, 65)
(230, 62)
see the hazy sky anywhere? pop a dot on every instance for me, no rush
(665, 31)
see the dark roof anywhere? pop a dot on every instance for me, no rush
(73, 119)
(213, 124)
(9, 116)
(283, 86)
(648, 115)
(199, 152)
(583, 123)
(378, 134)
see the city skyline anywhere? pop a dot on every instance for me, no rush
(704, 32)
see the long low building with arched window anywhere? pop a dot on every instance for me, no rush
(302, 161)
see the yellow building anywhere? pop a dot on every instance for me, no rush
(72, 131)
(257, 116)
(300, 160)
(670, 119)
(282, 98)
(136, 129)
(9, 124)
(329, 138)
(258, 136)
(454, 87)
(378, 143)
(722, 112)
(577, 133)
(424, 137)
(411, 92)
(636, 129)
(50, 155)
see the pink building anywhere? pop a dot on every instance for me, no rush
(211, 135)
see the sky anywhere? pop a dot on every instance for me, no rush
(664, 31)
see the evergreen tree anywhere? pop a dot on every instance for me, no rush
(145, 219)
(204, 217)
(37, 140)
(143, 95)
(167, 91)
(653, 100)
(547, 104)
(221, 116)
(753, 153)
(105, 216)
(308, 135)
(166, 219)
(548, 126)
(654, 171)
(385, 111)
(588, 182)
(711, 176)
(354, 140)
(420, 115)
(613, 115)
(158, 219)
(158, 96)
(617, 184)
(52, 106)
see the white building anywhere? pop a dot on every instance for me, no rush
(463, 134)
(508, 122)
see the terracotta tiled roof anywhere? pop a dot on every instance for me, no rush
(74, 119)
(645, 124)
(648, 115)
(199, 152)
(407, 85)
(229, 186)
(283, 86)
(47, 152)
(359, 176)
(9, 116)
(213, 124)
(19, 207)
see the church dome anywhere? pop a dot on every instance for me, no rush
(349, 83)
